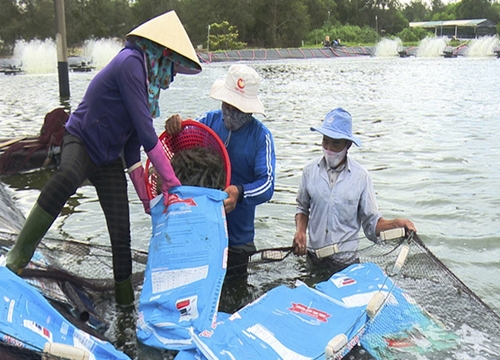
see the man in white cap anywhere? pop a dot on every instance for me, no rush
(336, 199)
(250, 147)
(107, 130)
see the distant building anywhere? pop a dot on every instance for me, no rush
(460, 29)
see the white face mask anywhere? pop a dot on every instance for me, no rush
(333, 159)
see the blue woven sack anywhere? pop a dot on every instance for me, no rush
(185, 269)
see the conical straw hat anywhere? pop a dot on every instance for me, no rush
(167, 30)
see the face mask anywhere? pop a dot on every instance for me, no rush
(233, 118)
(160, 72)
(160, 65)
(333, 159)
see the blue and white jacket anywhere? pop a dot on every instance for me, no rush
(251, 151)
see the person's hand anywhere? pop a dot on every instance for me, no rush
(173, 125)
(232, 198)
(384, 224)
(407, 224)
(299, 243)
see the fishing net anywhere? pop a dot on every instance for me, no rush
(437, 316)
(440, 319)
(457, 323)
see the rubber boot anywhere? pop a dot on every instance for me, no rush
(36, 226)
(124, 292)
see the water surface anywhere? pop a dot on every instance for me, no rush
(429, 128)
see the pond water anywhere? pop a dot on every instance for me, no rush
(429, 127)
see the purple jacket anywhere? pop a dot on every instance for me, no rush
(114, 113)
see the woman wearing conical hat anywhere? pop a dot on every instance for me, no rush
(106, 131)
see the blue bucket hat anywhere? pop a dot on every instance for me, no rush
(338, 125)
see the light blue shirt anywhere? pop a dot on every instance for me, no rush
(337, 213)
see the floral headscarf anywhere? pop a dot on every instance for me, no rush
(160, 66)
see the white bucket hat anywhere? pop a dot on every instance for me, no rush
(240, 89)
(167, 30)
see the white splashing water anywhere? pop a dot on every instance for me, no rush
(484, 46)
(388, 47)
(432, 47)
(40, 57)
(100, 52)
(36, 56)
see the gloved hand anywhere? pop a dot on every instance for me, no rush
(164, 169)
(136, 174)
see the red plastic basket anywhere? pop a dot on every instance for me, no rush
(193, 134)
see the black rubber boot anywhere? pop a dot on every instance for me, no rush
(124, 292)
(36, 226)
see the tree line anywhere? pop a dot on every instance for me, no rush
(257, 23)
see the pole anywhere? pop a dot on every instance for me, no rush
(62, 50)
(208, 39)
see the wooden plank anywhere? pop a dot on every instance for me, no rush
(11, 141)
